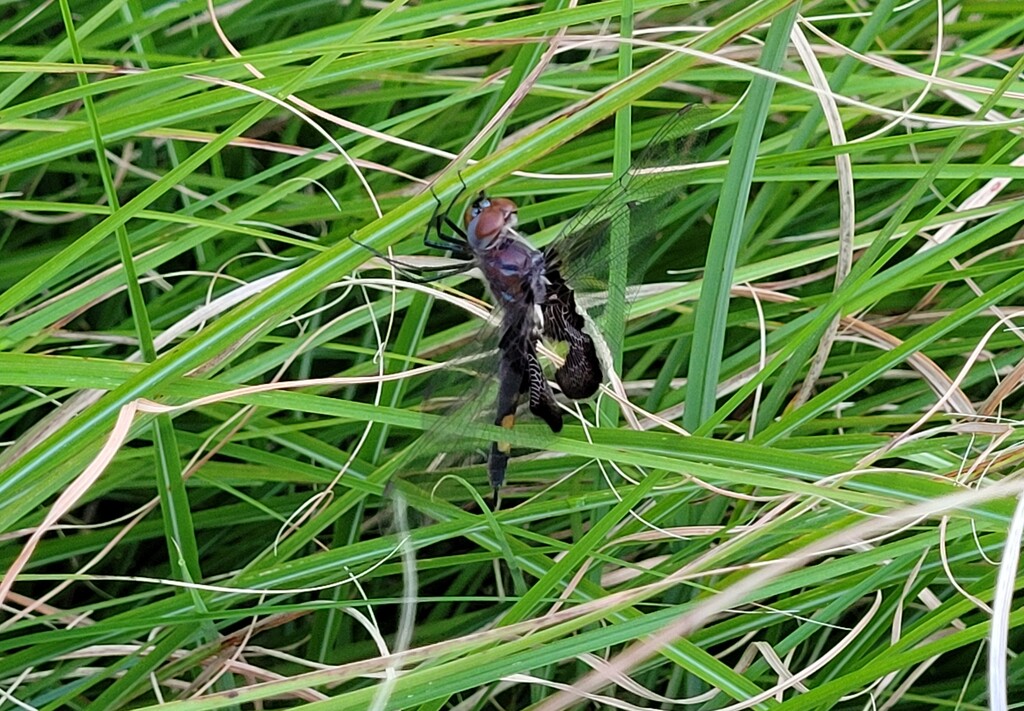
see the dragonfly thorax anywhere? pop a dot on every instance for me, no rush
(513, 268)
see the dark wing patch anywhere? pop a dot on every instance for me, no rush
(580, 375)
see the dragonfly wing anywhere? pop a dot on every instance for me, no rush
(485, 383)
(457, 401)
(636, 202)
(580, 375)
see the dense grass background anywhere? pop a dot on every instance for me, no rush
(813, 507)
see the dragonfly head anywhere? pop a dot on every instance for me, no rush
(486, 219)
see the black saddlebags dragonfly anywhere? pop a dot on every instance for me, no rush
(534, 302)
(531, 287)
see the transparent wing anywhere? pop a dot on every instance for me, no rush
(459, 399)
(484, 384)
(462, 403)
(636, 202)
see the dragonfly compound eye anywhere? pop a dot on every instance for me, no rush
(492, 220)
(476, 207)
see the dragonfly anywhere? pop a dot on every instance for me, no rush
(532, 287)
(535, 303)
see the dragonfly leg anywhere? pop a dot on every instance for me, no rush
(440, 205)
(438, 273)
(413, 273)
(440, 240)
(435, 236)
(458, 195)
